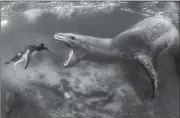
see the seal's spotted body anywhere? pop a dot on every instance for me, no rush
(143, 43)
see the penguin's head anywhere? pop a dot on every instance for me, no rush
(42, 46)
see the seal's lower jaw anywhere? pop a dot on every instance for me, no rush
(70, 58)
(73, 58)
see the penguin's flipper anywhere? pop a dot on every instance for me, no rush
(28, 58)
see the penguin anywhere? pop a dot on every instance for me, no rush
(26, 54)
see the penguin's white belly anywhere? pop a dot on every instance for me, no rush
(34, 53)
(24, 58)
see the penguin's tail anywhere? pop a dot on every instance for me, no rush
(8, 62)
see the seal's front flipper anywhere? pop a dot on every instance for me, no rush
(147, 63)
(28, 58)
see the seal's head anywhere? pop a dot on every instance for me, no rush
(84, 47)
(77, 45)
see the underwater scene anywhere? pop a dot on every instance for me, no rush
(44, 86)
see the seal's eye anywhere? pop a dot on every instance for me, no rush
(72, 37)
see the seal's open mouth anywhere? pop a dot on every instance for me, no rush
(74, 56)
(70, 57)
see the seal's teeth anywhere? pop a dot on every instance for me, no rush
(71, 53)
(65, 64)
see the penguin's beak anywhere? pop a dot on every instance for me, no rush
(47, 49)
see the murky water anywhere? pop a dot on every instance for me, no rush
(100, 90)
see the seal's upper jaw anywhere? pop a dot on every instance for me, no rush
(58, 36)
(62, 37)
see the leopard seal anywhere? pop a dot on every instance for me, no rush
(142, 43)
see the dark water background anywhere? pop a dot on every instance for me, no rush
(37, 91)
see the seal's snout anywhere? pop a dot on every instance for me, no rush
(58, 36)
(63, 37)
